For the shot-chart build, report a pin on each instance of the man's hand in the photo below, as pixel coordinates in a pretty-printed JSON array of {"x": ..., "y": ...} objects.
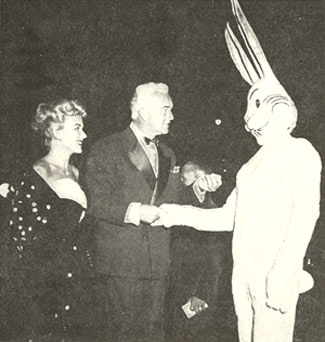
[
  {"x": 209, "y": 183},
  {"x": 149, "y": 213},
  {"x": 166, "y": 217},
  {"x": 172, "y": 215},
  {"x": 198, "y": 305}
]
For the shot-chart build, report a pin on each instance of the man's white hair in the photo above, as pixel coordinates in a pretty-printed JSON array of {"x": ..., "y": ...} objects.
[{"x": 143, "y": 93}]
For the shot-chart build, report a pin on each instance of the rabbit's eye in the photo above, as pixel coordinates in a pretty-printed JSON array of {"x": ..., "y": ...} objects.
[{"x": 257, "y": 103}]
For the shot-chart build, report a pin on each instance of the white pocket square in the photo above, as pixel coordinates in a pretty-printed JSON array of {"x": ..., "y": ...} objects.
[{"x": 176, "y": 169}]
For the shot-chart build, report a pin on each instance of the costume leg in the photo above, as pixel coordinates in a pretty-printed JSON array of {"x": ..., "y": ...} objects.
[
  {"x": 243, "y": 306},
  {"x": 271, "y": 325}
]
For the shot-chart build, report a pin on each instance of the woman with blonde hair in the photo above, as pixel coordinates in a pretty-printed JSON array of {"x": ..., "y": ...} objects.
[{"x": 50, "y": 237}]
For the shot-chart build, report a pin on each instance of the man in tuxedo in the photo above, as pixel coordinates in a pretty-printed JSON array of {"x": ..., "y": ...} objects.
[{"x": 129, "y": 175}]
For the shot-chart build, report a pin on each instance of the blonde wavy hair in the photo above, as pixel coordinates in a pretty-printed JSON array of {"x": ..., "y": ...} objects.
[{"x": 53, "y": 114}]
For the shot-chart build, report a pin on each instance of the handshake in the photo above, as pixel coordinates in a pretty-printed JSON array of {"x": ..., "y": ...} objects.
[
  {"x": 160, "y": 216},
  {"x": 171, "y": 214}
]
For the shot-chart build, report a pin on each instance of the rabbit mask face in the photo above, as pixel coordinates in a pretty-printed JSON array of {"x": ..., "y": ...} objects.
[
  {"x": 270, "y": 110},
  {"x": 269, "y": 116}
]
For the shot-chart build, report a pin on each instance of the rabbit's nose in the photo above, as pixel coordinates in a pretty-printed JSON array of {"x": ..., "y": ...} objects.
[
  {"x": 247, "y": 117},
  {"x": 247, "y": 129},
  {"x": 249, "y": 126},
  {"x": 250, "y": 112}
]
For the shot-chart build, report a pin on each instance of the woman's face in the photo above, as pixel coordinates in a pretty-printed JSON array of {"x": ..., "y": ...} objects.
[{"x": 71, "y": 133}]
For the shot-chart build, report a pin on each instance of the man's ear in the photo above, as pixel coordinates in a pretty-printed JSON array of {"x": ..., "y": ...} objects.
[{"x": 143, "y": 114}]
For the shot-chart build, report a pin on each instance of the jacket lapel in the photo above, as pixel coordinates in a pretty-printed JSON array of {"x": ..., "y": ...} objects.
[
  {"x": 138, "y": 158},
  {"x": 164, "y": 170}
]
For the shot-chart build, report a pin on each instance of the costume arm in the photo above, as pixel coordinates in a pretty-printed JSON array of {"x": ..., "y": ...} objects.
[
  {"x": 220, "y": 219},
  {"x": 285, "y": 276},
  {"x": 305, "y": 211}
]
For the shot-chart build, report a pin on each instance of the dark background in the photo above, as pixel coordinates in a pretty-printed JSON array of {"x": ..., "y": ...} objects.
[{"x": 98, "y": 51}]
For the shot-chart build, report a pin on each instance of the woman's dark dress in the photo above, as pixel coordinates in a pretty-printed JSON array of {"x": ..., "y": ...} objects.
[{"x": 46, "y": 263}]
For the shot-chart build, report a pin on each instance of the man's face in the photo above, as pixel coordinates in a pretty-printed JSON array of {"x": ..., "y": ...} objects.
[{"x": 158, "y": 114}]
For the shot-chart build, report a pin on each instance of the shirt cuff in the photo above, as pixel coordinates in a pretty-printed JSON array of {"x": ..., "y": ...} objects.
[
  {"x": 133, "y": 213},
  {"x": 200, "y": 194}
]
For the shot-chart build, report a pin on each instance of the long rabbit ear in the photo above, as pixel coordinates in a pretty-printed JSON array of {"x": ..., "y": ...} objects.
[
  {"x": 260, "y": 62},
  {"x": 240, "y": 58}
]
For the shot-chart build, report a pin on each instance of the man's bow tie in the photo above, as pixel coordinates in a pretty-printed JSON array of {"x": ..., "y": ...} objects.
[{"x": 148, "y": 141}]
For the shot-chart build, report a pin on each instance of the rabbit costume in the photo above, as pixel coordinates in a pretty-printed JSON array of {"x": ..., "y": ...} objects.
[{"x": 274, "y": 206}]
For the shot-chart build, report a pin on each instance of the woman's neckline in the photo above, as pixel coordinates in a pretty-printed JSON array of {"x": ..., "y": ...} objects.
[
  {"x": 53, "y": 190},
  {"x": 66, "y": 172},
  {"x": 45, "y": 169}
]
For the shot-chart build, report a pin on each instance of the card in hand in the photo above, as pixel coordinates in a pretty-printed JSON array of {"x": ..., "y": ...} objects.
[{"x": 187, "y": 310}]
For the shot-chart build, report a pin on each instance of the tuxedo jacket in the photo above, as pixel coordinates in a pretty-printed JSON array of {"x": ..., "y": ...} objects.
[{"x": 118, "y": 173}]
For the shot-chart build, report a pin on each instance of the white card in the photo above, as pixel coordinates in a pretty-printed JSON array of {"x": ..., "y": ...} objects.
[{"x": 187, "y": 310}]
